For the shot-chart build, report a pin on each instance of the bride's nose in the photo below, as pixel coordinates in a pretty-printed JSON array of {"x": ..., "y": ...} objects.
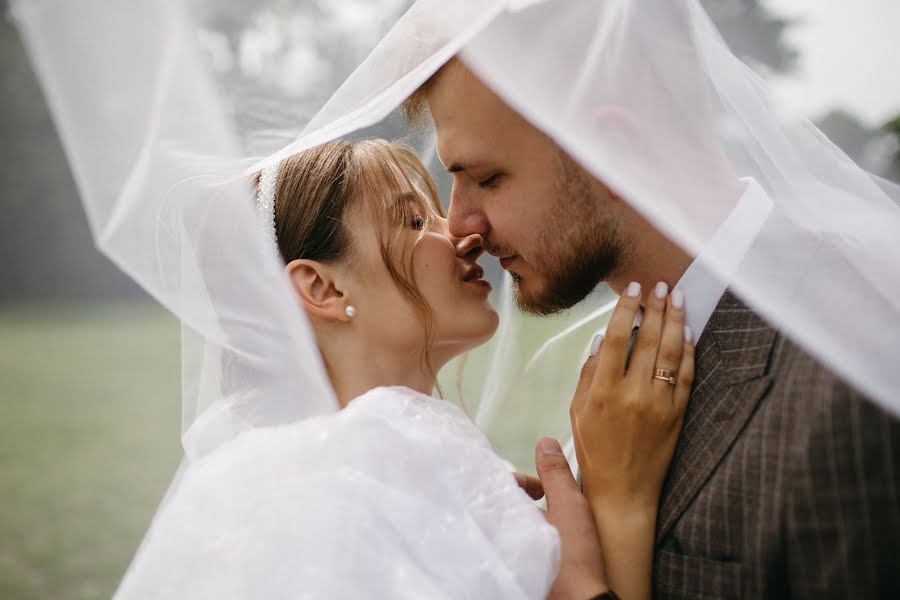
[{"x": 470, "y": 247}]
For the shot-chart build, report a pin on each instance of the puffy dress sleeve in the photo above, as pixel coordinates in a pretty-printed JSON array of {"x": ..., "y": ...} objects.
[{"x": 397, "y": 496}]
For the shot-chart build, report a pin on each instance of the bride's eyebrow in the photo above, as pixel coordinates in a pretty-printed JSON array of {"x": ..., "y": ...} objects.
[
  {"x": 406, "y": 197},
  {"x": 410, "y": 197},
  {"x": 421, "y": 201}
]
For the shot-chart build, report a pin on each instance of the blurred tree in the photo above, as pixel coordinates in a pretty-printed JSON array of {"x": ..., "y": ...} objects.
[
  {"x": 892, "y": 130},
  {"x": 278, "y": 61},
  {"x": 875, "y": 149},
  {"x": 758, "y": 36},
  {"x": 846, "y": 131},
  {"x": 754, "y": 33}
]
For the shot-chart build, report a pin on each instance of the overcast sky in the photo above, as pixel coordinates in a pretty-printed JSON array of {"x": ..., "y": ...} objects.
[{"x": 849, "y": 58}]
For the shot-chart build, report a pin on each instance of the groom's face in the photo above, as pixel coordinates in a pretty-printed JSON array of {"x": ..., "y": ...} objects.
[{"x": 556, "y": 229}]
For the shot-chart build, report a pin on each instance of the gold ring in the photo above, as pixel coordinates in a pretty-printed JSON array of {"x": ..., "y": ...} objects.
[{"x": 664, "y": 375}]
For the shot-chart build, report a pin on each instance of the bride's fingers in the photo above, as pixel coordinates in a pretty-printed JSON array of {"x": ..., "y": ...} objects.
[
  {"x": 584, "y": 385},
  {"x": 643, "y": 355},
  {"x": 668, "y": 356},
  {"x": 614, "y": 350}
]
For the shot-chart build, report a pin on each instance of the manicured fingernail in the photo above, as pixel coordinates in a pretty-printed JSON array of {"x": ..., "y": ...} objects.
[
  {"x": 595, "y": 344},
  {"x": 550, "y": 446},
  {"x": 662, "y": 288},
  {"x": 678, "y": 299},
  {"x": 634, "y": 289},
  {"x": 688, "y": 334}
]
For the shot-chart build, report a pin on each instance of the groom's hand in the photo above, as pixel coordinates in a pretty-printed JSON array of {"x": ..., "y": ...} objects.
[
  {"x": 581, "y": 570},
  {"x": 531, "y": 485}
]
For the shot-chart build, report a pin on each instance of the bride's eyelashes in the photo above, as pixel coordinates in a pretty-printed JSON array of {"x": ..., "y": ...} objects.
[
  {"x": 491, "y": 181},
  {"x": 417, "y": 223}
]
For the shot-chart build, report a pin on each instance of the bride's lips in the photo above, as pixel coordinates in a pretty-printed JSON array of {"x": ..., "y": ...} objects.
[
  {"x": 474, "y": 276},
  {"x": 505, "y": 262}
]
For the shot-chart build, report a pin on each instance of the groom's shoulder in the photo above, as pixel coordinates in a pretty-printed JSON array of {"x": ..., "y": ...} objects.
[
  {"x": 800, "y": 383},
  {"x": 796, "y": 375},
  {"x": 829, "y": 417}
]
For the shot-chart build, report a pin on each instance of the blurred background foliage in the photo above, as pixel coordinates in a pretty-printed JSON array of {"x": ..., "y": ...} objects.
[{"x": 89, "y": 381}]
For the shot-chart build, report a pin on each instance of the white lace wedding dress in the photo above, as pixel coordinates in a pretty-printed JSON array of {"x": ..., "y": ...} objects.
[{"x": 322, "y": 509}]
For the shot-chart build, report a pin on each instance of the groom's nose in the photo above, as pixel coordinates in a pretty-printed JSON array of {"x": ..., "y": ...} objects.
[{"x": 465, "y": 217}]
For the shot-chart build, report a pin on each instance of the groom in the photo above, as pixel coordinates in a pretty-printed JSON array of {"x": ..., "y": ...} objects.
[{"x": 785, "y": 481}]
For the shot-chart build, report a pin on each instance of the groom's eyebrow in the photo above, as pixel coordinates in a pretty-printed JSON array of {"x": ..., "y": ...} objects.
[{"x": 455, "y": 168}]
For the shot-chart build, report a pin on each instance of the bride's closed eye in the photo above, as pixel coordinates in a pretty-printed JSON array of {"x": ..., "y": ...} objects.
[{"x": 417, "y": 222}]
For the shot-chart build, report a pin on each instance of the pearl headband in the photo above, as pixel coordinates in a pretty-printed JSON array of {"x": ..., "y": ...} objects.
[{"x": 265, "y": 201}]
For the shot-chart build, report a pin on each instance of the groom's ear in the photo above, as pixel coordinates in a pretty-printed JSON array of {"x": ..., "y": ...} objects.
[
  {"x": 318, "y": 289},
  {"x": 619, "y": 124}
]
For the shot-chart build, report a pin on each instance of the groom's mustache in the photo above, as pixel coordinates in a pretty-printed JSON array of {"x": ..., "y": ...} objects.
[{"x": 496, "y": 249}]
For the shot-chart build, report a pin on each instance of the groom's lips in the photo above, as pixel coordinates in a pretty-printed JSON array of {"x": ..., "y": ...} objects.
[{"x": 505, "y": 262}]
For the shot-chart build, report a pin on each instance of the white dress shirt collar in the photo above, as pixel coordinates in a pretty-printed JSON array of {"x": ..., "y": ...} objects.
[{"x": 701, "y": 287}]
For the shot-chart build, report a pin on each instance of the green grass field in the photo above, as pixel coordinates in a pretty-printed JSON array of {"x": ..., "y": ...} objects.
[{"x": 89, "y": 439}]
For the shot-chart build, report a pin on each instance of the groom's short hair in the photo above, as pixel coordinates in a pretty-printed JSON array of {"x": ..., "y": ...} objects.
[{"x": 415, "y": 108}]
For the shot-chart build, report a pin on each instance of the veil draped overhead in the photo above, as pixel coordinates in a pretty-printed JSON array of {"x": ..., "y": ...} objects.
[
  {"x": 646, "y": 95},
  {"x": 165, "y": 108}
]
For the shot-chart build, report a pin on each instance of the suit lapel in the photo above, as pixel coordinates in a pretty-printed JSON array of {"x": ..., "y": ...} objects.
[{"x": 733, "y": 357}]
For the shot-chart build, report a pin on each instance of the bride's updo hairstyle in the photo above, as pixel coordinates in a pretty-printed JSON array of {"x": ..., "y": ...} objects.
[{"x": 317, "y": 188}]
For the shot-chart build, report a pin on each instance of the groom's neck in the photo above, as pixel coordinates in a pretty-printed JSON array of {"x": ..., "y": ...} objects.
[
  {"x": 652, "y": 257},
  {"x": 657, "y": 260}
]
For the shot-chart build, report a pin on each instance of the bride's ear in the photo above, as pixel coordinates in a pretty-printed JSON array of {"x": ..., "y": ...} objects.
[{"x": 318, "y": 289}]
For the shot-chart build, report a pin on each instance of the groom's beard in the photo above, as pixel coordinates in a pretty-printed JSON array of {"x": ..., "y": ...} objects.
[
  {"x": 577, "y": 250},
  {"x": 567, "y": 278}
]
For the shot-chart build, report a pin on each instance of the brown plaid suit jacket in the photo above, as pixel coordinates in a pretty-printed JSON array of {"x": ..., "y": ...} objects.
[{"x": 785, "y": 482}]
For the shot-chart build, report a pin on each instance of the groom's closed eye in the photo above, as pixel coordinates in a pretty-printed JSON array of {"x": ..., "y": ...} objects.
[{"x": 491, "y": 181}]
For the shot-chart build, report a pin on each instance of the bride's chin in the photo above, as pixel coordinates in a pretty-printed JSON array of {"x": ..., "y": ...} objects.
[
  {"x": 481, "y": 329},
  {"x": 491, "y": 324}
]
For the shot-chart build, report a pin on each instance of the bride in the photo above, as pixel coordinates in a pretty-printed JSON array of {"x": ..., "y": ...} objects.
[{"x": 398, "y": 495}]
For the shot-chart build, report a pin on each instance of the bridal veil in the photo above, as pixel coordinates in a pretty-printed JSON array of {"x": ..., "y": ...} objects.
[{"x": 644, "y": 94}]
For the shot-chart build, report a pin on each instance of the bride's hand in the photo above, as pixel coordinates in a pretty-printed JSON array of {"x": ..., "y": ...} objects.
[{"x": 626, "y": 423}]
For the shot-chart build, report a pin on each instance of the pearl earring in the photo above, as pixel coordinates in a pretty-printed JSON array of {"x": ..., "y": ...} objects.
[{"x": 350, "y": 311}]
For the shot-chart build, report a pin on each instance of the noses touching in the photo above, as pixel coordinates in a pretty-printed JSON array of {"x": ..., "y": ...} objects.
[{"x": 470, "y": 247}]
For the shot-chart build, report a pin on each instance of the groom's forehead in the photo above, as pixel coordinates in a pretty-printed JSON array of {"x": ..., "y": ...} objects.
[
  {"x": 461, "y": 147},
  {"x": 469, "y": 133},
  {"x": 458, "y": 100}
]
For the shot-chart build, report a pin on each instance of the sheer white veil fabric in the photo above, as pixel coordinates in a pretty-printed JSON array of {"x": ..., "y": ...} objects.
[
  {"x": 647, "y": 96},
  {"x": 644, "y": 94},
  {"x": 157, "y": 165}
]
